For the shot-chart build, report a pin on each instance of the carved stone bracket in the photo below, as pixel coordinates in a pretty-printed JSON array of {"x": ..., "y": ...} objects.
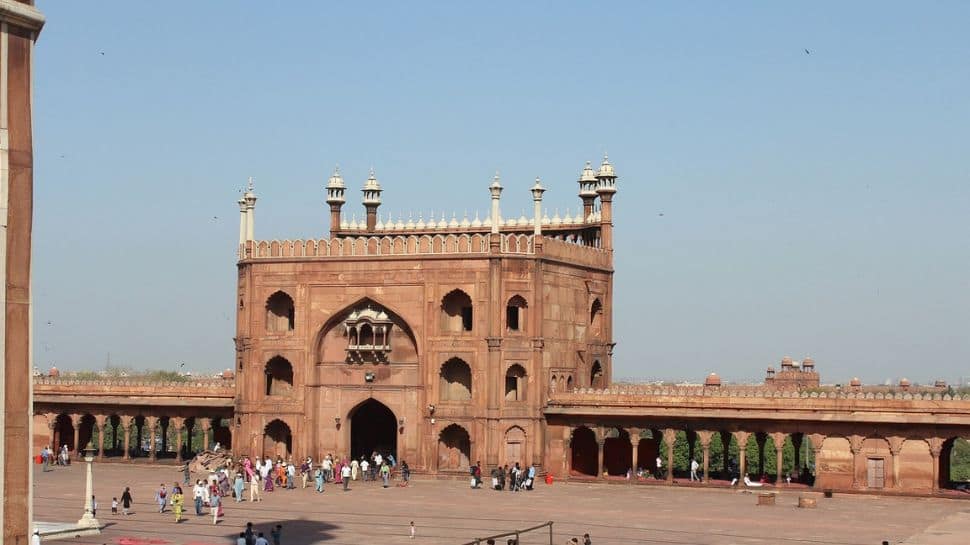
[
  {"x": 494, "y": 343},
  {"x": 538, "y": 343}
]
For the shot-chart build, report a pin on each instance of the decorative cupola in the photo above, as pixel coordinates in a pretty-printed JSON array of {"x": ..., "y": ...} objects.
[
  {"x": 335, "y": 198},
  {"x": 587, "y": 189},
  {"x": 606, "y": 188},
  {"x": 372, "y": 200}
]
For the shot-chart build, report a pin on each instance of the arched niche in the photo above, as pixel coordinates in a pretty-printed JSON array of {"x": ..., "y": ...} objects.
[{"x": 395, "y": 343}]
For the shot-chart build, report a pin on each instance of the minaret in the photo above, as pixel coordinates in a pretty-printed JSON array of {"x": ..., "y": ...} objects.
[
  {"x": 335, "y": 198},
  {"x": 372, "y": 199},
  {"x": 496, "y": 191},
  {"x": 587, "y": 190},
  {"x": 250, "y": 198},
  {"x": 242, "y": 226},
  {"x": 605, "y": 189},
  {"x": 537, "y": 191}
]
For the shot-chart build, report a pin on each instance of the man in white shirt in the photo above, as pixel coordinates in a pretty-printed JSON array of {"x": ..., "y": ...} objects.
[
  {"x": 364, "y": 465},
  {"x": 345, "y": 476},
  {"x": 261, "y": 539},
  {"x": 660, "y": 466},
  {"x": 198, "y": 492},
  {"x": 693, "y": 470},
  {"x": 241, "y": 540},
  {"x": 328, "y": 468}
]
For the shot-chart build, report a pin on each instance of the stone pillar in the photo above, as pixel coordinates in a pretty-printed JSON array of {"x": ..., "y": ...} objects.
[
  {"x": 936, "y": 446},
  {"x": 51, "y": 429},
  {"x": 179, "y": 424},
  {"x": 705, "y": 439},
  {"x": 206, "y": 428},
  {"x": 20, "y": 23},
  {"x": 855, "y": 445},
  {"x": 816, "y": 440},
  {"x": 742, "y": 439},
  {"x": 76, "y": 424},
  {"x": 895, "y": 445},
  {"x": 99, "y": 421},
  {"x": 670, "y": 436},
  {"x": 151, "y": 422},
  {"x": 779, "y": 440},
  {"x": 600, "y": 441},
  {"x": 635, "y": 451},
  {"x": 127, "y": 423},
  {"x": 88, "y": 520}
]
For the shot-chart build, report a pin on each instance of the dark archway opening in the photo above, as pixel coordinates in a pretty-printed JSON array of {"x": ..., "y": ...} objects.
[
  {"x": 373, "y": 428},
  {"x": 277, "y": 440},
  {"x": 454, "y": 448},
  {"x": 585, "y": 452},
  {"x": 596, "y": 376},
  {"x": 617, "y": 452},
  {"x": 63, "y": 432}
]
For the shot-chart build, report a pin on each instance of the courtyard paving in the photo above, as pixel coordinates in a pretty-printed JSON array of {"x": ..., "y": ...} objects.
[{"x": 448, "y": 512}]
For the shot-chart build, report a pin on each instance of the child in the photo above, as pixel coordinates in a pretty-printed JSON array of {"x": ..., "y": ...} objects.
[
  {"x": 275, "y": 533},
  {"x": 412, "y": 530},
  {"x": 114, "y": 506}
]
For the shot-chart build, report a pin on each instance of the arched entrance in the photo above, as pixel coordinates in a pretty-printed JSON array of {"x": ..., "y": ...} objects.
[
  {"x": 454, "y": 448},
  {"x": 373, "y": 427},
  {"x": 584, "y": 450}
]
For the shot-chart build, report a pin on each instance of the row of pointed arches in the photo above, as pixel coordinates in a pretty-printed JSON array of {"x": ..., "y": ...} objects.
[{"x": 455, "y": 381}]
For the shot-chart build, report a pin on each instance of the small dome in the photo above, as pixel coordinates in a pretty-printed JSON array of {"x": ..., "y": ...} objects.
[
  {"x": 476, "y": 222},
  {"x": 556, "y": 220},
  {"x": 510, "y": 222},
  {"x": 465, "y": 224},
  {"x": 588, "y": 175},
  {"x": 54, "y": 372},
  {"x": 372, "y": 184},
  {"x": 454, "y": 221},
  {"x": 442, "y": 223},
  {"x": 712, "y": 380},
  {"x": 808, "y": 363},
  {"x": 228, "y": 374},
  {"x": 380, "y": 224},
  {"x": 855, "y": 382},
  {"x": 786, "y": 362},
  {"x": 904, "y": 383},
  {"x": 606, "y": 169},
  {"x": 545, "y": 218},
  {"x": 487, "y": 222},
  {"x": 400, "y": 223},
  {"x": 939, "y": 384},
  {"x": 771, "y": 369},
  {"x": 343, "y": 223},
  {"x": 522, "y": 219},
  {"x": 336, "y": 181},
  {"x": 420, "y": 224},
  {"x": 567, "y": 219},
  {"x": 410, "y": 223}
]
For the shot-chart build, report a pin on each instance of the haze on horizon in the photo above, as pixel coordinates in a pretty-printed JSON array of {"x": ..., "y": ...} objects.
[{"x": 793, "y": 178}]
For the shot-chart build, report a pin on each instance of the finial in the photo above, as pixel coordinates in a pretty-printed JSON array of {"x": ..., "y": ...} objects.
[{"x": 250, "y": 186}]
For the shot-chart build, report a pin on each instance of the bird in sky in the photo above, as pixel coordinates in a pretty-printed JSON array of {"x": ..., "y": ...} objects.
[
  {"x": 102, "y": 53},
  {"x": 807, "y": 52}
]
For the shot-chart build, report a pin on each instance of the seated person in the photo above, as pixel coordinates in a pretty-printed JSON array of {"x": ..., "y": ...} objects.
[{"x": 751, "y": 484}]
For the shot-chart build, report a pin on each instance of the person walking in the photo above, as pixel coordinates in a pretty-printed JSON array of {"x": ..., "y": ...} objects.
[
  {"x": 254, "y": 488},
  {"x": 215, "y": 505},
  {"x": 161, "y": 497},
  {"x": 411, "y": 531},
  {"x": 319, "y": 478},
  {"x": 177, "y": 501},
  {"x": 45, "y": 454},
  {"x": 186, "y": 473},
  {"x": 126, "y": 501},
  {"x": 345, "y": 477},
  {"x": 276, "y": 534},
  {"x": 660, "y": 467},
  {"x": 237, "y": 487},
  {"x": 290, "y": 476},
  {"x": 693, "y": 470},
  {"x": 198, "y": 493},
  {"x": 385, "y": 473}
]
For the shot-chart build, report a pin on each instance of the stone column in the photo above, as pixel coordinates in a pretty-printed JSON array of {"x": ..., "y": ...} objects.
[
  {"x": 600, "y": 441},
  {"x": 179, "y": 424},
  {"x": 51, "y": 429},
  {"x": 936, "y": 446},
  {"x": 670, "y": 436},
  {"x": 855, "y": 445},
  {"x": 705, "y": 439},
  {"x": 76, "y": 424},
  {"x": 635, "y": 451},
  {"x": 151, "y": 422},
  {"x": 895, "y": 445},
  {"x": 816, "y": 440},
  {"x": 88, "y": 520},
  {"x": 206, "y": 427},
  {"x": 742, "y": 439},
  {"x": 779, "y": 440},
  {"x": 99, "y": 421},
  {"x": 127, "y": 422}
]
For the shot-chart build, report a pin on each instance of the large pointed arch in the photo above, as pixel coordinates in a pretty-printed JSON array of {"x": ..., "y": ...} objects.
[
  {"x": 405, "y": 345},
  {"x": 373, "y": 428}
]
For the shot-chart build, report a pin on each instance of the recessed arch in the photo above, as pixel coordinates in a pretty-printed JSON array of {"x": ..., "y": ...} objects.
[
  {"x": 280, "y": 312},
  {"x": 596, "y": 317},
  {"x": 277, "y": 440},
  {"x": 454, "y": 448},
  {"x": 584, "y": 451},
  {"x": 331, "y": 342},
  {"x": 515, "y": 310},
  {"x": 279, "y": 376},
  {"x": 455, "y": 380},
  {"x": 515, "y": 444},
  {"x": 515, "y": 382},
  {"x": 457, "y": 315},
  {"x": 596, "y": 379},
  {"x": 617, "y": 454}
]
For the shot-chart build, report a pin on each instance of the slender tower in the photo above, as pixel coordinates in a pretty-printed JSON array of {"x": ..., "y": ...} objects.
[
  {"x": 537, "y": 191},
  {"x": 20, "y": 23},
  {"x": 335, "y": 198},
  {"x": 606, "y": 189},
  {"x": 587, "y": 190},
  {"x": 242, "y": 227},
  {"x": 372, "y": 200},
  {"x": 250, "y": 198}
]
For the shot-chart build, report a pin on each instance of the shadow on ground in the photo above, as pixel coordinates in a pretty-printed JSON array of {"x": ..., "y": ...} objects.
[{"x": 294, "y": 532}]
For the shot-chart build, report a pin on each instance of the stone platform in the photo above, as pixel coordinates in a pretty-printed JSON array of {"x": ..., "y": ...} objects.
[{"x": 448, "y": 512}]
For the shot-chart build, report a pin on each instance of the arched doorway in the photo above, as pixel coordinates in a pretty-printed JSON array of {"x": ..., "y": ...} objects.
[
  {"x": 373, "y": 427},
  {"x": 617, "y": 452},
  {"x": 596, "y": 375},
  {"x": 63, "y": 432},
  {"x": 277, "y": 440},
  {"x": 585, "y": 451},
  {"x": 515, "y": 446}
]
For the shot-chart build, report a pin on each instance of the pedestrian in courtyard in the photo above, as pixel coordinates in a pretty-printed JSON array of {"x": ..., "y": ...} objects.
[
  {"x": 249, "y": 534},
  {"x": 385, "y": 473},
  {"x": 186, "y": 473},
  {"x": 215, "y": 505},
  {"x": 276, "y": 534},
  {"x": 126, "y": 501},
  {"x": 198, "y": 494},
  {"x": 319, "y": 478},
  {"x": 660, "y": 466},
  {"x": 177, "y": 501},
  {"x": 411, "y": 531},
  {"x": 237, "y": 487},
  {"x": 693, "y": 470},
  {"x": 261, "y": 539},
  {"x": 162, "y": 498},
  {"x": 364, "y": 469},
  {"x": 114, "y": 506},
  {"x": 587, "y": 540},
  {"x": 405, "y": 471},
  {"x": 241, "y": 540},
  {"x": 45, "y": 454},
  {"x": 345, "y": 476},
  {"x": 305, "y": 472},
  {"x": 254, "y": 485},
  {"x": 290, "y": 476},
  {"x": 35, "y": 539}
]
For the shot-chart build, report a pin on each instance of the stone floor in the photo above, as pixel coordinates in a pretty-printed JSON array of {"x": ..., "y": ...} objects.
[{"x": 448, "y": 512}]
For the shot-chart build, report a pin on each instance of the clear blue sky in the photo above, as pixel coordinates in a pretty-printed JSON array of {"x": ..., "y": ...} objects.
[{"x": 813, "y": 204}]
